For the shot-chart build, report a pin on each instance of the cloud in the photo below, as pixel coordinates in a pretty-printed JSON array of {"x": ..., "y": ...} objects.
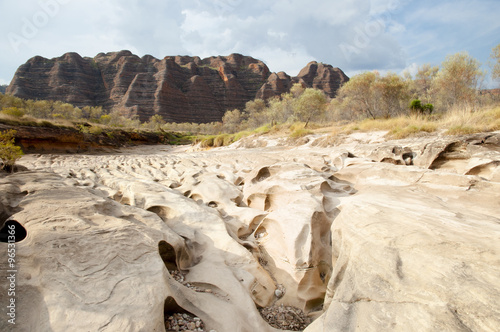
[
  {"x": 286, "y": 34},
  {"x": 312, "y": 30}
]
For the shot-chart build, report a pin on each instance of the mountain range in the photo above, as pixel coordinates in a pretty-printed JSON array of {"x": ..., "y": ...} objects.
[{"x": 179, "y": 88}]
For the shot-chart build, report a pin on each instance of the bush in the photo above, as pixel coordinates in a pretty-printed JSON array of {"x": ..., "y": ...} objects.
[
  {"x": 219, "y": 140},
  {"x": 95, "y": 130},
  {"x": 416, "y": 106},
  {"x": 13, "y": 111},
  {"x": 9, "y": 152},
  {"x": 207, "y": 142}
]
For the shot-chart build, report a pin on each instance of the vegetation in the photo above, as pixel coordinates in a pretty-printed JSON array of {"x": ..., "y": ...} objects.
[
  {"x": 416, "y": 106},
  {"x": 445, "y": 97},
  {"x": 9, "y": 152},
  {"x": 458, "y": 81},
  {"x": 495, "y": 56}
]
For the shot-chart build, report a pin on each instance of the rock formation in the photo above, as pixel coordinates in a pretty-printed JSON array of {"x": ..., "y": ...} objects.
[
  {"x": 3, "y": 88},
  {"x": 368, "y": 235},
  {"x": 179, "y": 88},
  {"x": 315, "y": 75}
]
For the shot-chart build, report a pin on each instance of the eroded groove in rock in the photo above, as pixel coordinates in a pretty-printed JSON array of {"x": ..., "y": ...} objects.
[
  {"x": 168, "y": 255},
  {"x": 328, "y": 231}
]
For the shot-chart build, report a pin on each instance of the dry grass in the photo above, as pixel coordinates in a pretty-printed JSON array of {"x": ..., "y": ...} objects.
[
  {"x": 301, "y": 132},
  {"x": 27, "y": 120},
  {"x": 457, "y": 121},
  {"x": 467, "y": 121}
]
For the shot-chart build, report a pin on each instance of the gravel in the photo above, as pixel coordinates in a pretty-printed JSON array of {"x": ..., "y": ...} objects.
[
  {"x": 184, "y": 322},
  {"x": 280, "y": 317},
  {"x": 178, "y": 276},
  {"x": 285, "y": 317}
]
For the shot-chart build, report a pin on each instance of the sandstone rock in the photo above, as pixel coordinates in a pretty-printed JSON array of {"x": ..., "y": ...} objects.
[
  {"x": 322, "y": 76},
  {"x": 179, "y": 88},
  {"x": 128, "y": 240},
  {"x": 276, "y": 85}
]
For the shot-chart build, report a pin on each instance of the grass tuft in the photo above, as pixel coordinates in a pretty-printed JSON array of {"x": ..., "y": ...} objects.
[{"x": 301, "y": 132}]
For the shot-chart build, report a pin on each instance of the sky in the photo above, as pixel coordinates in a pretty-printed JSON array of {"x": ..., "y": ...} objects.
[{"x": 355, "y": 35}]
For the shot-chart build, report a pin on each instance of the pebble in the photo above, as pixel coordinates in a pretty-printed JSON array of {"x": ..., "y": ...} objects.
[
  {"x": 280, "y": 291},
  {"x": 184, "y": 322},
  {"x": 285, "y": 317},
  {"x": 179, "y": 276}
]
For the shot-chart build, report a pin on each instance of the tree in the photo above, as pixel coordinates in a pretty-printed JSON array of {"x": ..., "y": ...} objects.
[
  {"x": 297, "y": 89},
  {"x": 9, "y": 152},
  {"x": 255, "y": 106},
  {"x": 421, "y": 86},
  {"x": 310, "y": 105},
  {"x": 256, "y": 112},
  {"x": 281, "y": 108},
  {"x": 155, "y": 122},
  {"x": 392, "y": 91},
  {"x": 13, "y": 112},
  {"x": 356, "y": 96},
  {"x": 495, "y": 55},
  {"x": 458, "y": 80},
  {"x": 42, "y": 109},
  {"x": 232, "y": 120}
]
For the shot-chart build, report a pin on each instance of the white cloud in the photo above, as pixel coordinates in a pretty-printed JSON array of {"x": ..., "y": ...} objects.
[
  {"x": 286, "y": 34},
  {"x": 291, "y": 61},
  {"x": 412, "y": 69}
]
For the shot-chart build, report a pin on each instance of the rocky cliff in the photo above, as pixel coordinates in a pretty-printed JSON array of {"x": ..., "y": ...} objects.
[
  {"x": 315, "y": 75},
  {"x": 179, "y": 88},
  {"x": 3, "y": 88}
]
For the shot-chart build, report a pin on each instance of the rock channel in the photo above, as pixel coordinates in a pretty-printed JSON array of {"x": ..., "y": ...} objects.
[{"x": 366, "y": 235}]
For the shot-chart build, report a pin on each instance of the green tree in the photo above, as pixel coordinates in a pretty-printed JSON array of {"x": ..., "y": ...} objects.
[
  {"x": 458, "y": 80},
  {"x": 9, "y": 152},
  {"x": 310, "y": 105}
]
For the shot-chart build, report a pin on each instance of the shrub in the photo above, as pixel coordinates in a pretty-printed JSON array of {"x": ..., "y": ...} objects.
[
  {"x": 207, "y": 142},
  {"x": 219, "y": 140},
  {"x": 416, "y": 105},
  {"x": 13, "y": 111},
  {"x": 9, "y": 152},
  {"x": 429, "y": 108},
  {"x": 95, "y": 130}
]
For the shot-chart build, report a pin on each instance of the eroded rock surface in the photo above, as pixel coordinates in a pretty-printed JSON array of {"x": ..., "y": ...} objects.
[{"x": 395, "y": 235}]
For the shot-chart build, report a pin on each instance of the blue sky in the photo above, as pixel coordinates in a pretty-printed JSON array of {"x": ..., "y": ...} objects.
[{"x": 355, "y": 35}]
